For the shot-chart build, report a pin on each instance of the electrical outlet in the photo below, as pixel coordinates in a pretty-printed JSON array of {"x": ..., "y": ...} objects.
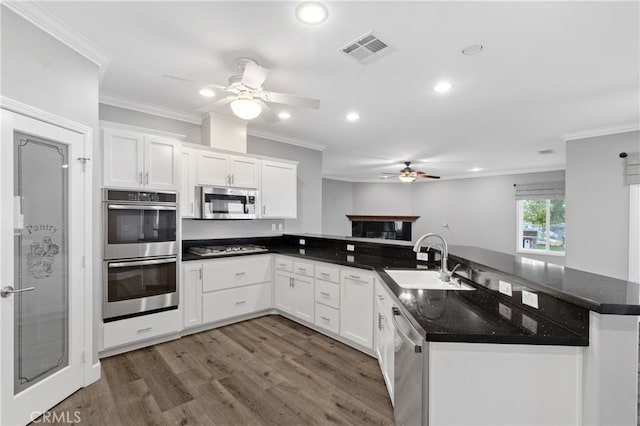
[
  {"x": 529, "y": 299},
  {"x": 302, "y": 251},
  {"x": 302, "y": 242},
  {"x": 273, "y": 226},
  {"x": 280, "y": 227},
  {"x": 351, "y": 259},
  {"x": 422, "y": 256},
  {"x": 504, "y": 310},
  {"x": 505, "y": 288},
  {"x": 350, "y": 247},
  {"x": 530, "y": 324}
]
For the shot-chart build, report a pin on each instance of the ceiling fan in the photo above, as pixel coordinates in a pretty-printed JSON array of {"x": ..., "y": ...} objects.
[
  {"x": 246, "y": 95},
  {"x": 408, "y": 174}
]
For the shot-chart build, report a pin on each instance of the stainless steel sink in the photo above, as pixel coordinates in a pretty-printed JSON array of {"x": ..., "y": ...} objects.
[{"x": 424, "y": 280}]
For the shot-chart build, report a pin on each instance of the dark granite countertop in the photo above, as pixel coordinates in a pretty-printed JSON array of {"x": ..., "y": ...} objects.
[{"x": 477, "y": 316}]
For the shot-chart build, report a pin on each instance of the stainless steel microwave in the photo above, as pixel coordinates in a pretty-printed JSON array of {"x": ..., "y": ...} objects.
[{"x": 228, "y": 203}]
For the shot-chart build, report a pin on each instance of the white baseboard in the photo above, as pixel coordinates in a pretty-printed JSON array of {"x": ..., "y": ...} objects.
[{"x": 94, "y": 373}]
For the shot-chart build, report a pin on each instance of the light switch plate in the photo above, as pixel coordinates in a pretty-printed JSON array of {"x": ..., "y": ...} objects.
[
  {"x": 530, "y": 324},
  {"x": 422, "y": 256},
  {"x": 350, "y": 247},
  {"x": 302, "y": 242},
  {"x": 505, "y": 288},
  {"x": 280, "y": 227},
  {"x": 529, "y": 299},
  {"x": 302, "y": 251},
  {"x": 351, "y": 259},
  {"x": 273, "y": 226}
]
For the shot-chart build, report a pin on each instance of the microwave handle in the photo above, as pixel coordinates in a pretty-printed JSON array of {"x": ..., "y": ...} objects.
[
  {"x": 142, "y": 263},
  {"x": 138, "y": 207}
]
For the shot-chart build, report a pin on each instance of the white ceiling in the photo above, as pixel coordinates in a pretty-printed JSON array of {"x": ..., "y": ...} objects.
[{"x": 548, "y": 70}]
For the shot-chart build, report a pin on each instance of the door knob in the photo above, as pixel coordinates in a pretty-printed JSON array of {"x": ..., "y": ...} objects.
[{"x": 6, "y": 291}]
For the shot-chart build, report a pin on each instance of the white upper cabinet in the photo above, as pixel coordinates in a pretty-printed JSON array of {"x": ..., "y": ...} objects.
[
  {"x": 188, "y": 178},
  {"x": 161, "y": 163},
  {"x": 218, "y": 169},
  {"x": 123, "y": 159},
  {"x": 136, "y": 160},
  {"x": 279, "y": 186},
  {"x": 244, "y": 172},
  {"x": 213, "y": 169}
]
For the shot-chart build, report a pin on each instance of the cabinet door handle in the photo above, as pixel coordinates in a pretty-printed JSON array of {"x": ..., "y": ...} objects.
[
  {"x": 239, "y": 274},
  {"x": 200, "y": 273},
  {"x": 147, "y": 178},
  {"x": 140, "y": 178},
  {"x": 326, "y": 319},
  {"x": 380, "y": 317},
  {"x": 233, "y": 179},
  {"x": 264, "y": 209},
  {"x": 241, "y": 302},
  {"x": 192, "y": 207},
  {"x": 144, "y": 330},
  {"x": 324, "y": 293},
  {"x": 355, "y": 277}
]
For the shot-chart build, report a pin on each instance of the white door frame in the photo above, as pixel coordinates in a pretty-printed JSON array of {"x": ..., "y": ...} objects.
[
  {"x": 634, "y": 233},
  {"x": 91, "y": 371}
]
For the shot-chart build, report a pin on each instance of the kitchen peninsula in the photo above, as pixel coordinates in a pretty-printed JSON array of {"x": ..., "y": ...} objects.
[{"x": 487, "y": 348}]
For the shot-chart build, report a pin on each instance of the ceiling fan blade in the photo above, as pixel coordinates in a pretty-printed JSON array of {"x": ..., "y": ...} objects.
[
  {"x": 254, "y": 75},
  {"x": 267, "y": 113},
  {"x": 216, "y": 104},
  {"x": 426, "y": 176},
  {"x": 284, "y": 99},
  {"x": 200, "y": 83}
]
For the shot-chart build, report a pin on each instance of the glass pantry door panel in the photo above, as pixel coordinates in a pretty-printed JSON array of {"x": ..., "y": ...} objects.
[{"x": 41, "y": 260}]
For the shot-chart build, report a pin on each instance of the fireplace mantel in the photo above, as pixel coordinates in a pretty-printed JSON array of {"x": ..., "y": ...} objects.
[{"x": 370, "y": 218}]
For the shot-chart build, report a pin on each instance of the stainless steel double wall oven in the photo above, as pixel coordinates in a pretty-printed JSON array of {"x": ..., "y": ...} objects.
[{"x": 140, "y": 271}]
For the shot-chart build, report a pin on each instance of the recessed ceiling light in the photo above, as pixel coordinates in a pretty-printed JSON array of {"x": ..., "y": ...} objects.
[
  {"x": 207, "y": 93},
  {"x": 312, "y": 12},
  {"x": 472, "y": 50},
  {"x": 284, "y": 115},
  {"x": 442, "y": 87},
  {"x": 353, "y": 116},
  {"x": 476, "y": 169}
]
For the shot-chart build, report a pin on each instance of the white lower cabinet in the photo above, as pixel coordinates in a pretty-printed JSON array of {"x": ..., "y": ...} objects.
[
  {"x": 294, "y": 292},
  {"x": 384, "y": 343},
  {"x": 356, "y": 306},
  {"x": 229, "y": 303},
  {"x": 192, "y": 293},
  {"x": 136, "y": 329}
]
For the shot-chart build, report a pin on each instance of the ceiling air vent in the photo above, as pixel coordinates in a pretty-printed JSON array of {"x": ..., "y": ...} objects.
[{"x": 367, "y": 48}]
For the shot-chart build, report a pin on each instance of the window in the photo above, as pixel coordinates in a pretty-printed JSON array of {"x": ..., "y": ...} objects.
[{"x": 541, "y": 218}]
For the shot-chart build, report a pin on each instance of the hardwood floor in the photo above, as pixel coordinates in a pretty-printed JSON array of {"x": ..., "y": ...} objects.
[{"x": 267, "y": 371}]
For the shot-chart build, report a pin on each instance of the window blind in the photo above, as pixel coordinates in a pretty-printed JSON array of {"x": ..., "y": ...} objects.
[
  {"x": 632, "y": 169},
  {"x": 540, "y": 191}
]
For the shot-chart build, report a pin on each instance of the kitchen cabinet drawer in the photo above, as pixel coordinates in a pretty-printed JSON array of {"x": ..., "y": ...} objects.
[
  {"x": 284, "y": 264},
  {"x": 357, "y": 275},
  {"x": 328, "y": 274},
  {"x": 328, "y": 294},
  {"x": 236, "y": 272},
  {"x": 223, "y": 304},
  {"x": 130, "y": 330},
  {"x": 328, "y": 318},
  {"x": 303, "y": 268}
]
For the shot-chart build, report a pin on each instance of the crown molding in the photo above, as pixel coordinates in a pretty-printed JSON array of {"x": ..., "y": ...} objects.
[
  {"x": 148, "y": 108},
  {"x": 18, "y": 107},
  {"x": 601, "y": 132},
  {"x": 259, "y": 133},
  {"x": 50, "y": 24},
  {"x": 139, "y": 129}
]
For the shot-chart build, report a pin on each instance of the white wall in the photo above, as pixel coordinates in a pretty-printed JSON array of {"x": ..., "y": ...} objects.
[
  {"x": 480, "y": 211},
  {"x": 135, "y": 118},
  {"x": 337, "y": 202},
  {"x": 382, "y": 198},
  {"x": 598, "y": 204},
  {"x": 309, "y": 181},
  {"x": 40, "y": 71}
]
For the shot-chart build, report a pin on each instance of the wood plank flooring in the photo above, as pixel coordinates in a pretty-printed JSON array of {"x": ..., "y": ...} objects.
[{"x": 266, "y": 371}]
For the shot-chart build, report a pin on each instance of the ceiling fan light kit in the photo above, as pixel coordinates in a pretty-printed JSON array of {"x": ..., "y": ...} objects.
[
  {"x": 407, "y": 178},
  {"x": 245, "y": 107}
]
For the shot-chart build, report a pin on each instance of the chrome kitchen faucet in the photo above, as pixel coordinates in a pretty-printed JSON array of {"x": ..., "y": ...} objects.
[{"x": 445, "y": 274}]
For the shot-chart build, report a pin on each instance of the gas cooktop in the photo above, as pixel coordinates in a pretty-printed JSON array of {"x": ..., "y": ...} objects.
[{"x": 226, "y": 250}]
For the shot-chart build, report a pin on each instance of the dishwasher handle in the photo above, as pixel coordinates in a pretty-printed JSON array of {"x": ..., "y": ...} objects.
[{"x": 416, "y": 347}]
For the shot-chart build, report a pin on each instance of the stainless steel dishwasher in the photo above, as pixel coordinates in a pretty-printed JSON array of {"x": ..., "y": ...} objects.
[{"x": 410, "y": 384}]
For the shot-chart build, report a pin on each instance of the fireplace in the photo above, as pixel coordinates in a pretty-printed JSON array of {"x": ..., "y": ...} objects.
[{"x": 386, "y": 227}]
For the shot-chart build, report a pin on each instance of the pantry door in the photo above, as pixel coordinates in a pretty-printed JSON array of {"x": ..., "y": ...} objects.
[{"x": 42, "y": 194}]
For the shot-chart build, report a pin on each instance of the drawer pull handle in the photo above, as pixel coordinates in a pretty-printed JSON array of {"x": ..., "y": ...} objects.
[
  {"x": 355, "y": 277},
  {"x": 324, "y": 274},
  {"x": 240, "y": 273},
  {"x": 381, "y": 297},
  {"x": 241, "y": 302},
  {"x": 302, "y": 269},
  {"x": 326, "y": 319},
  {"x": 144, "y": 330},
  {"x": 282, "y": 265},
  {"x": 324, "y": 293}
]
